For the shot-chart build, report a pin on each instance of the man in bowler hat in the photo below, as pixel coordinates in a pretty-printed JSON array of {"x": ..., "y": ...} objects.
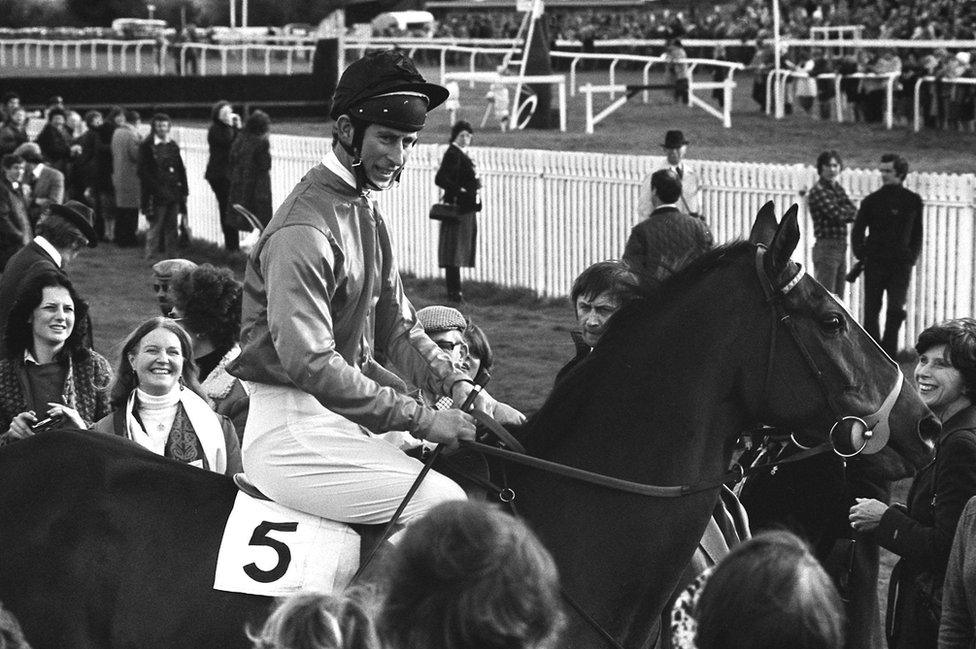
[{"x": 675, "y": 147}]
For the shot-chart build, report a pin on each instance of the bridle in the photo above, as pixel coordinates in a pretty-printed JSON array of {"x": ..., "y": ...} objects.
[
  {"x": 868, "y": 433},
  {"x": 872, "y": 429}
]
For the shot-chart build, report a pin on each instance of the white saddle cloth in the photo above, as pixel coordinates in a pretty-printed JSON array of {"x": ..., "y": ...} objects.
[{"x": 269, "y": 549}]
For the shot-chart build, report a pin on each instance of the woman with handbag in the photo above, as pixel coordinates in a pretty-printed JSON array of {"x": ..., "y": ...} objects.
[
  {"x": 457, "y": 177},
  {"x": 921, "y": 533}
]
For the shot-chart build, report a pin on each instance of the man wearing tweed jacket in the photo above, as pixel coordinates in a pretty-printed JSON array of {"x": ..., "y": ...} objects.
[{"x": 667, "y": 240}]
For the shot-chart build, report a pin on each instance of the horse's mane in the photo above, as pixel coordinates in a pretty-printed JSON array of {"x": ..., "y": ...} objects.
[
  {"x": 656, "y": 300},
  {"x": 558, "y": 411}
]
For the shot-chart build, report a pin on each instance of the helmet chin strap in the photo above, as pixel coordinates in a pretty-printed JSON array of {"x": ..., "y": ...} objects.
[{"x": 363, "y": 183}]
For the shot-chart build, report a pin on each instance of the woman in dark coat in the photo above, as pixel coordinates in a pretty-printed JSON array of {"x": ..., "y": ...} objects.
[
  {"x": 224, "y": 124},
  {"x": 250, "y": 167},
  {"x": 457, "y": 177},
  {"x": 921, "y": 533}
]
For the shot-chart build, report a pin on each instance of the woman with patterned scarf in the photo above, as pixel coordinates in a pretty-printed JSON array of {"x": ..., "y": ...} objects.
[
  {"x": 50, "y": 377},
  {"x": 160, "y": 405}
]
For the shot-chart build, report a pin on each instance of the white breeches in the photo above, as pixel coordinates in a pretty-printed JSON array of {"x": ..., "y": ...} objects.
[{"x": 307, "y": 457}]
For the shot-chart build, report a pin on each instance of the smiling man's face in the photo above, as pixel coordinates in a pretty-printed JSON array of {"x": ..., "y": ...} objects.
[{"x": 384, "y": 151}]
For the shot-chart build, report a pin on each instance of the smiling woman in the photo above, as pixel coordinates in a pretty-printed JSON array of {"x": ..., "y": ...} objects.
[
  {"x": 160, "y": 405},
  {"x": 921, "y": 533},
  {"x": 49, "y": 377}
]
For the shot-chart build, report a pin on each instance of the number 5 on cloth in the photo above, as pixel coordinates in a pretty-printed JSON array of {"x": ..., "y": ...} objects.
[{"x": 269, "y": 549}]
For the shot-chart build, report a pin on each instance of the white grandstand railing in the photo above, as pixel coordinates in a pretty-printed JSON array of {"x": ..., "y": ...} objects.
[
  {"x": 68, "y": 54},
  {"x": 889, "y": 79},
  {"x": 549, "y": 214},
  {"x": 916, "y": 107}
]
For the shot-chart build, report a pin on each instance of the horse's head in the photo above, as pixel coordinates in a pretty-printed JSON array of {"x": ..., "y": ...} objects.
[{"x": 822, "y": 374}]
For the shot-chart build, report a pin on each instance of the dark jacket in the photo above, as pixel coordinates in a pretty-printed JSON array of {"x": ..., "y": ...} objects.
[
  {"x": 55, "y": 144},
  {"x": 220, "y": 136},
  {"x": 582, "y": 351},
  {"x": 664, "y": 243},
  {"x": 250, "y": 174},
  {"x": 457, "y": 177},
  {"x": 14, "y": 224},
  {"x": 921, "y": 533},
  {"x": 102, "y": 173},
  {"x": 162, "y": 174},
  {"x": 11, "y": 137},
  {"x": 892, "y": 217},
  {"x": 84, "y": 169}
]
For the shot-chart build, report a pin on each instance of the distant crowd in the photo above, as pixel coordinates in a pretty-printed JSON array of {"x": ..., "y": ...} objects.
[{"x": 745, "y": 19}]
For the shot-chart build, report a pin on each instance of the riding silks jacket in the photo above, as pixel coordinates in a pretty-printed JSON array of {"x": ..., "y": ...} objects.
[{"x": 321, "y": 292}]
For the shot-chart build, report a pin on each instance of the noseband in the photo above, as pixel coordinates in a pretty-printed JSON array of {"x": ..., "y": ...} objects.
[{"x": 874, "y": 429}]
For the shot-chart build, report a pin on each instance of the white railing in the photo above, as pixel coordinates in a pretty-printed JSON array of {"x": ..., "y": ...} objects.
[
  {"x": 549, "y": 214},
  {"x": 781, "y": 75},
  {"x": 916, "y": 99}
]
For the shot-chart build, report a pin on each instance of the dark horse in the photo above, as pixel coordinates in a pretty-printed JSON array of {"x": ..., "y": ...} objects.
[{"x": 105, "y": 545}]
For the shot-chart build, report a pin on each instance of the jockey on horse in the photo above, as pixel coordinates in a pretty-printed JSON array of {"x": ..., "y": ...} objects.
[{"x": 321, "y": 293}]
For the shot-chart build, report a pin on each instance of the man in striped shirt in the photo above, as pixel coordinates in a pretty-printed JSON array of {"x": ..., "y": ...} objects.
[{"x": 831, "y": 210}]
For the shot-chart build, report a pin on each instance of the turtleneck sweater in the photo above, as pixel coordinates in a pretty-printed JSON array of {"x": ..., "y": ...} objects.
[{"x": 157, "y": 415}]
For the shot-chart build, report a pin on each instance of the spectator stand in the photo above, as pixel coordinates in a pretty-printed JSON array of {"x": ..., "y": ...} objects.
[{"x": 727, "y": 85}]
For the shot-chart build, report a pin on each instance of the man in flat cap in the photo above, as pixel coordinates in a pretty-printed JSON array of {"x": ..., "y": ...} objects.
[
  {"x": 164, "y": 273},
  {"x": 322, "y": 296},
  {"x": 60, "y": 236}
]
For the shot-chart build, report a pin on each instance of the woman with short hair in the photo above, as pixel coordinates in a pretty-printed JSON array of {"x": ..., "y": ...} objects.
[
  {"x": 159, "y": 403},
  {"x": 207, "y": 302},
  {"x": 50, "y": 373},
  {"x": 921, "y": 531}
]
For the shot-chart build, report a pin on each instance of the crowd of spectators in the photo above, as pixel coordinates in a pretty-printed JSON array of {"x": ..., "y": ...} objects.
[{"x": 741, "y": 19}]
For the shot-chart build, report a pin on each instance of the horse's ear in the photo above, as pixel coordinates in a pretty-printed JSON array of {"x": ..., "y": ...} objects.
[
  {"x": 764, "y": 228},
  {"x": 784, "y": 242}
]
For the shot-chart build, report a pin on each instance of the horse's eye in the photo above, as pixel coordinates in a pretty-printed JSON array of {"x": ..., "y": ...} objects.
[{"x": 832, "y": 322}]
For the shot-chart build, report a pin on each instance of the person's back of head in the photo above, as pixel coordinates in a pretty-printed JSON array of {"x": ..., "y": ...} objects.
[
  {"x": 258, "y": 123},
  {"x": 770, "y": 593},
  {"x": 467, "y": 576},
  {"x": 316, "y": 621},
  {"x": 132, "y": 116},
  {"x": 666, "y": 186}
]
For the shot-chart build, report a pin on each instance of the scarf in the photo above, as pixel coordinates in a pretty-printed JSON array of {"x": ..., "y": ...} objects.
[{"x": 195, "y": 436}]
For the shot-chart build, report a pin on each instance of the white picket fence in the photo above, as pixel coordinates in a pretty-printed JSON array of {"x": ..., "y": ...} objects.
[{"x": 549, "y": 214}]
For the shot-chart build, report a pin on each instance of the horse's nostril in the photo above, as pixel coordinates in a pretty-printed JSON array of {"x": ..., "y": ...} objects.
[{"x": 929, "y": 428}]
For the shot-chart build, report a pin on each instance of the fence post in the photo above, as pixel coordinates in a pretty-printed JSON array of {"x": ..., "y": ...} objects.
[{"x": 540, "y": 279}]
